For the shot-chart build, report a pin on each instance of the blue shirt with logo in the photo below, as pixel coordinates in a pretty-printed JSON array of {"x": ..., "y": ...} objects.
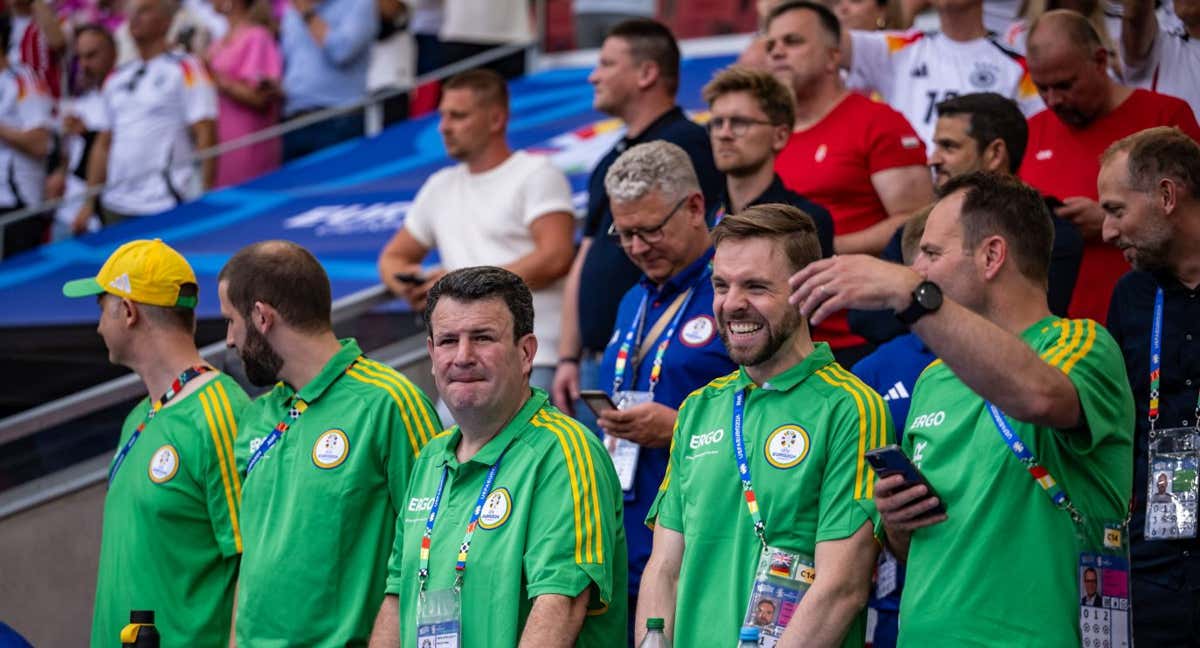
[{"x": 695, "y": 356}]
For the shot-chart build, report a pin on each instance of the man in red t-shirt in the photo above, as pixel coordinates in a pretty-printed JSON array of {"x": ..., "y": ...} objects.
[
  {"x": 860, "y": 159},
  {"x": 1086, "y": 111}
]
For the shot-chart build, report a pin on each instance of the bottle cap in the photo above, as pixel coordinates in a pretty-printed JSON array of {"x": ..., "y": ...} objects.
[
  {"x": 748, "y": 633},
  {"x": 141, "y": 616},
  {"x": 654, "y": 623}
]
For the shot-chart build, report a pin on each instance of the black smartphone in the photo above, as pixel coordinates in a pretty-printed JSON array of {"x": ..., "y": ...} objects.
[
  {"x": 409, "y": 277},
  {"x": 597, "y": 401},
  {"x": 891, "y": 460}
]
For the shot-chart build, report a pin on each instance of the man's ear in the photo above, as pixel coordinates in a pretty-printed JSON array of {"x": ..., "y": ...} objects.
[
  {"x": 528, "y": 346},
  {"x": 263, "y": 317},
  {"x": 130, "y": 313},
  {"x": 995, "y": 156},
  {"x": 647, "y": 74},
  {"x": 995, "y": 253}
]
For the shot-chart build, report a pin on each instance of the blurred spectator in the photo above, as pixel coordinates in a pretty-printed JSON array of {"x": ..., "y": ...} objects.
[
  {"x": 392, "y": 60},
  {"x": 159, "y": 110},
  {"x": 1086, "y": 111},
  {"x": 594, "y": 18},
  {"x": 106, "y": 13},
  {"x": 83, "y": 117},
  {"x": 755, "y": 55},
  {"x": 246, "y": 68},
  {"x": 1106, "y": 24},
  {"x": 188, "y": 31},
  {"x": 635, "y": 80},
  {"x": 859, "y": 159},
  {"x": 327, "y": 47},
  {"x": 752, "y": 117},
  {"x": 867, "y": 15},
  {"x": 24, "y": 143},
  {"x": 495, "y": 207},
  {"x": 471, "y": 27},
  {"x": 38, "y": 41},
  {"x": 914, "y": 70},
  {"x": 1160, "y": 59},
  {"x": 425, "y": 25}
]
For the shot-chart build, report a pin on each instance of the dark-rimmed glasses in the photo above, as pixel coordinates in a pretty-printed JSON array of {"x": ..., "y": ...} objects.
[{"x": 649, "y": 235}]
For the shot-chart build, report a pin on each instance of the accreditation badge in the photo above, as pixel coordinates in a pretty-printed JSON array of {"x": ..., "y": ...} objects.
[
  {"x": 624, "y": 452},
  {"x": 1105, "y": 613},
  {"x": 780, "y": 582},
  {"x": 439, "y": 619},
  {"x": 1171, "y": 496}
]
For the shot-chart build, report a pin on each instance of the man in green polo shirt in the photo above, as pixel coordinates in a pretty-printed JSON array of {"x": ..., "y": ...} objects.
[
  {"x": 806, "y": 422},
  {"x": 512, "y": 525},
  {"x": 327, "y": 456},
  {"x": 171, "y": 536},
  {"x": 1002, "y": 566}
]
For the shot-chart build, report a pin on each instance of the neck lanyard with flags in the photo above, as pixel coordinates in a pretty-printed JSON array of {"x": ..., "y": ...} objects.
[
  {"x": 173, "y": 391},
  {"x": 633, "y": 338}
]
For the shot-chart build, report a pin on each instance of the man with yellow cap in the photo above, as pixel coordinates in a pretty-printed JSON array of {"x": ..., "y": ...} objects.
[{"x": 171, "y": 540}]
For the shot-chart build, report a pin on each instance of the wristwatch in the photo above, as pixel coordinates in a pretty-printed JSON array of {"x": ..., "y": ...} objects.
[{"x": 926, "y": 298}]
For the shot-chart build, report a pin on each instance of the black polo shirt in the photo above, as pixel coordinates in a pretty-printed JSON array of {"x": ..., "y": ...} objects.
[
  {"x": 777, "y": 193},
  {"x": 607, "y": 272},
  {"x": 1130, "y": 317}
]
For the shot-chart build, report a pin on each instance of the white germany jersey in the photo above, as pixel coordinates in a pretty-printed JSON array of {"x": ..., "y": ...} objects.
[
  {"x": 24, "y": 105},
  {"x": 151, "y": 106},
  {"x": 1172, "y": 68},
  {"x": 914, "y": 70}
]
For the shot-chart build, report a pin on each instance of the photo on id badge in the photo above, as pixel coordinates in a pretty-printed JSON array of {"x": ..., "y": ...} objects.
[{"x": 1172, "y": 498}]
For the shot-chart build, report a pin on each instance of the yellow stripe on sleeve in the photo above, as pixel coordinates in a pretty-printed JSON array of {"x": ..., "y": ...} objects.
[
  {"x": 538, "y": 420},
  {"x": 1067, "y": 342},
  {"x": 423, "y": 432},
  {"x": 411, "y": 396},
  {"x": 581, "y": 434},
  {"x": 408, "y": 428},
  {"x": 877, "y": 423},
  {"x": 1088, "y": 341},
  {"x": 584, "y": 490},
  {"x": 223, "y": 412},
  {"x": 205, "y": 401},
  {"x": 859, "y": 486}
]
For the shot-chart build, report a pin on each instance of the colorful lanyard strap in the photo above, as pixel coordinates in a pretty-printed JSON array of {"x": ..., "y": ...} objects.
[
  {"x": 172, "y": 392},
  {"x": 1039, "y": 473},
  {"x": 1156, "y": 362},
  {"x": 460, "y": 566},
  {"x": 743, "y": 464},
  {"x": 621, "y": 366}
]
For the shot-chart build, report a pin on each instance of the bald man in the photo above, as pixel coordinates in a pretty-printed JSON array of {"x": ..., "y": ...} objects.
[{"x": 1086, "y": 111}]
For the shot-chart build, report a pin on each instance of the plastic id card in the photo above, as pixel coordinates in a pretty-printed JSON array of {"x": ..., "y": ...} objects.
[
  {"x": 439, "y": 619},
  {"x": 780, "y": 582},
  {"x": 624, "y": 452},
  {"x": 1104, "y": 612},
  {"x": 1171, "y": 497}
]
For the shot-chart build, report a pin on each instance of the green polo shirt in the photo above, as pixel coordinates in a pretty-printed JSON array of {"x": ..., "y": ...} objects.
[
  {"x": 1006, "y": 556},
  {"x": 551, "y": 524},
  {"x": 319, "y": 509},
  {"x": 172, "y": 534},
  {"x": 805, "y": 432}
]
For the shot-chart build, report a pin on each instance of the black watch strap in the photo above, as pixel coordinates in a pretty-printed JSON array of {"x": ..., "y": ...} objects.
[{"x": 926, "y": 298}]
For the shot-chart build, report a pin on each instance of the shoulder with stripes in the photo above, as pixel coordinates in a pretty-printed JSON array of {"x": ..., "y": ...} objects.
[
  {"x": 897, "y": 41},
  {"x": 1004, "y": 49},
  {"x": 1071, "y": 340},
  {"x": 221, "y": 423},
  {"x": 578, "y": 451},
  {"x": 835, "y": 381},
  {"x": 870, "y": 427},
  {"x": 716, "y": 386},
  {"x": 380, "y": 386}
]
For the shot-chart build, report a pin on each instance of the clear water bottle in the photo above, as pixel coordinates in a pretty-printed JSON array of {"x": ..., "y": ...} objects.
[
  {"x": 748, "y": 637},
  {"x": 655, "y": 638},
  {"x": 140, "y": 633}
]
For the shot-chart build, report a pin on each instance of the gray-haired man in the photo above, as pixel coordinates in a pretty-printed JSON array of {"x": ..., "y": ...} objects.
[{"x": 664, "y": 344}]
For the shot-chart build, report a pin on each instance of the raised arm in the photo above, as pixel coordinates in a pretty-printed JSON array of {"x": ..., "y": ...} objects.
[{"x": 838, "y": 593}]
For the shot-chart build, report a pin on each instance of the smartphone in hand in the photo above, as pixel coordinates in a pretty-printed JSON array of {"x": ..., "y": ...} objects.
[
  {"x": 891, "y": 460},
  {"x": 597, "y": 401}
]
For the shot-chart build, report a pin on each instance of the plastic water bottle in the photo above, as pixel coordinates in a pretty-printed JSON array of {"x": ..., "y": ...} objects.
[
  {"x": 140, "y": 633},
  {"x": 655, "y": 638},
  {"x": 748, "y": 637}
]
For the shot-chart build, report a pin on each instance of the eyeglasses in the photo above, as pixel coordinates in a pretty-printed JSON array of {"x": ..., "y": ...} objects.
[
  {"x": 737, "y": 125},
  {"x": 649, "y": 235}
]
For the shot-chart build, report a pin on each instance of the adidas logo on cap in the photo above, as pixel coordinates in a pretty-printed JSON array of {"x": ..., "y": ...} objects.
[{"x": 121, "y": 283}]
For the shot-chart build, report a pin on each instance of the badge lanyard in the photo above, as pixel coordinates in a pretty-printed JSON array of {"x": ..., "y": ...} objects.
[
  {"x": 639, "y": 321},
  {"x": 460, "y": 566},
  {"x": 743, "y": 463},
  {"x": 296, "y": 407},
  {"x": 1039, "y": 473},
  {"x": 1156, "y": 362},
  {"x": 176, "y": 387}
]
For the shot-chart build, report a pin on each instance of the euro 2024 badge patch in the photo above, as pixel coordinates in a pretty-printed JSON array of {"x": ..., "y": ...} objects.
[
  {"x": 164, "y": 464},
  {"x": 496, "y": 509},
  {"x": 698, "y": 331},
  {"x": 786, "y": 446},
  {"x": 331, "y": 449}
]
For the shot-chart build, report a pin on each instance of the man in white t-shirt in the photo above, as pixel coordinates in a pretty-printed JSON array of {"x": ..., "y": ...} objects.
[
  {"x": 914, "y": 70},
  {"x": 159, "y": 110},
  {"x": 1159, "y": 57},
  {"x": 82, "y": 116},
  {"x": 24, "y": 143},
  {"x": 496, "y": 207}
]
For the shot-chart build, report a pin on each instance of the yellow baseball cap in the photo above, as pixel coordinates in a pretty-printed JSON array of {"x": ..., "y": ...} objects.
[{"x": 147, "y": 272}]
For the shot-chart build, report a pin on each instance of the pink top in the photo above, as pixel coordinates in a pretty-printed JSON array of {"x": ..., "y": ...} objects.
[{"x": 250, "y": 55}]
